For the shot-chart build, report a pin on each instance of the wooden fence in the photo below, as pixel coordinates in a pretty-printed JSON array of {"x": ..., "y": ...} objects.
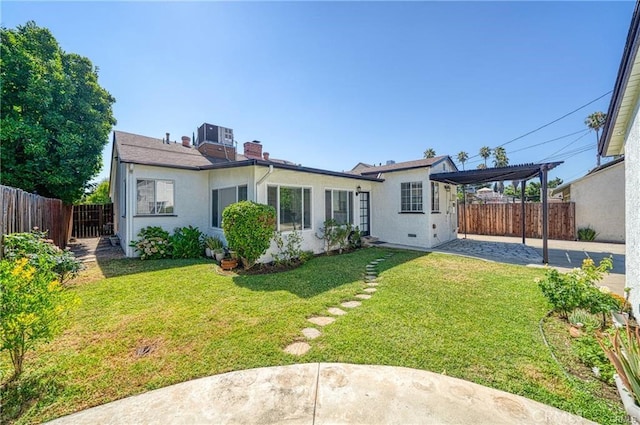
[
  {"x": 505, "y": 220},
  {"x": 22, "y": 211},
  {"x": 93, "y": 220}
]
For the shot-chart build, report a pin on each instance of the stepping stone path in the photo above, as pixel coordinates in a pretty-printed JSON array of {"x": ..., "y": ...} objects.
[
  {"x": 311, "y": 333},
  {"x": 321, "y": 320},
  {"x": 297, "y": 348},
  {"x": 371, "y": 274}
]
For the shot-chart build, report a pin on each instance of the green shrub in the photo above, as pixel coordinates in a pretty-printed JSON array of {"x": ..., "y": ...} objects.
[
  {"x": 213, "y": 243},
  {"x": 577, "y": 288},
  {"x": 32, "y": 306},
  {"x": 589, "y": 352},
  {"x": 623, "y": 350},
  {"x": 248, "y": 228},
  {"x": 42, "y": 253},
  {"x": 586, "y": 234},
  {"x": 153, "y": 243},
  {"x": 582, "y": 317},
  {"x": 186, "y": 242},
  {"x": 289, "y": 248},
  {"x": 335, "y": 235}
]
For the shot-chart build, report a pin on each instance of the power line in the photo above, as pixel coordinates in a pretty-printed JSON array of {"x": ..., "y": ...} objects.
[
  {"x": 552, "y": 122},
  {"x": 564, "y": 147},
  {"x": 551, "y": 140}
]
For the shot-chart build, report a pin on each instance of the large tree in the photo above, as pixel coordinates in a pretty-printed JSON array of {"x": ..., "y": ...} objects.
[
  {"x": 430, "y": 153},
  {"x": 55, "y": 118},
  {"x": 485, "y": 153},
  {"x": 462, "y": 158},
  {"x": 595, "y": 122}
]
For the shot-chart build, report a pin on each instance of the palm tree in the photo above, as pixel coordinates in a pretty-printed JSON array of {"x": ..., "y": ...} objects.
[
  {"x": 500, "y": 158},
  {"x": 462, "y": 158},
  {"x": 485, "y": 153},
  {"x": 430, "y": 153},
  {"x": 595, "y": 122}
]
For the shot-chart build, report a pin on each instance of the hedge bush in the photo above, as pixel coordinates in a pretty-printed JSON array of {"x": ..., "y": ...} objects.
[{"x": 249, "y": 228}]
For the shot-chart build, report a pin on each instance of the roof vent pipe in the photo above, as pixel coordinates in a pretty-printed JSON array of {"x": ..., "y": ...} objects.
[{"x": 167, "y": 139}]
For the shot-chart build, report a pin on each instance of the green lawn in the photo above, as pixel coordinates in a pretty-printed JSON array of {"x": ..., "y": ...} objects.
[{"x": 467, "y": 318}]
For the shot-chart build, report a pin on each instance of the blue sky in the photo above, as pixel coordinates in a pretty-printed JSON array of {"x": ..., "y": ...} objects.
[{"x": 330, "y": 84}]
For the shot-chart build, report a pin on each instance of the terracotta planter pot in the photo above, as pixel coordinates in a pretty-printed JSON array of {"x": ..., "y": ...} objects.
[
  {"x": 229, "y": 263},
  {"x": 633, "y": 410}
]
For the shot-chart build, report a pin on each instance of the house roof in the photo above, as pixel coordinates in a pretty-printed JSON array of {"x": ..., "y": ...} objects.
[
  {"x": 133, "y": 148},
  {"x": 365, "y": 169},
  {"x": 486, "y": 175},
  {"x": 625, "y": 93},
  {"x": 137, "y": 149},
  {"x": 566, "y": 186}
]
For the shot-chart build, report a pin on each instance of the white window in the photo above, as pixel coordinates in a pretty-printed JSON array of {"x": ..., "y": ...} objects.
[
  {"x": 154, "y": 197},
  {"x": 435, "y": 197},
  {"x": 411, "y": 197},
  {"x": 338, "y": 205},
  {"x": 222, "y": 198},
  {"x": 293, "y": 206}
]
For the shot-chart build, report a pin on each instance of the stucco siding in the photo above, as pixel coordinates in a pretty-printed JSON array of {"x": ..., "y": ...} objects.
[
  {"x": 190, "y": 198},
  {"x": 600, "y": 203},
  {"x": 632, "y": 193},
  {"x": 318, "y": 184}
]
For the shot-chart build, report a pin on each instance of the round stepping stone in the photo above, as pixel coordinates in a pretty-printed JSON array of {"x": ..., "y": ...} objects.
[
  {"x": 372, "y": 283},
  {"x": 297, "y": 348},
  {"x": 321, "y": 320},
  {"x": 370, "y": 290},
  {"x": 351, "y": 304},
  {"x": 363, "y": 296},
  {"x": 336, "y": 311},
  {"x": 311, "y": 333},
  {"x": 370, "y": 278}
]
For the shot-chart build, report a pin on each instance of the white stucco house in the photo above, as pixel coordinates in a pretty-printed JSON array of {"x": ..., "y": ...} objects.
[
  {"x": 155, "y": 182},
  {"x": 621, "y": 136},
  {"x": 599, "y": 200}
]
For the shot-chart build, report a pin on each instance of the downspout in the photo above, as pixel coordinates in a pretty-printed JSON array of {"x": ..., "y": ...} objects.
[
  {"x": 129, "y": 199},
  {"x": 262, "y": 179}
]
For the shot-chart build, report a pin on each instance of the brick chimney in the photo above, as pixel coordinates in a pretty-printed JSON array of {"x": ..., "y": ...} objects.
[
  {"x": 253, "y": 149},
  {"x": 265, "y": 155},
  {"x": 186, "y": 141}
]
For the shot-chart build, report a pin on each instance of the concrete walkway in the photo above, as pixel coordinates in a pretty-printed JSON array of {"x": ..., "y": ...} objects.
[{"x": 324, "y": 393}]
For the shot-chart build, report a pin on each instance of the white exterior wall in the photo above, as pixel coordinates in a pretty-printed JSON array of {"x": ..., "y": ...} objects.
[
  {"x": 399, "y": 228},
  {"x": 632, "y": 214},
  {"x": 190, "y": 198},
  {"x": 318, "y": 184},
  {"x": 599, "y": 200},
  {"x": 225, "y": 178}
]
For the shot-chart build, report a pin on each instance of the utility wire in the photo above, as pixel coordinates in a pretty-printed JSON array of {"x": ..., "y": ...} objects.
[
  {"x": 551, "y": 140},
  {"x": 552, "y": 122},
  {"x": 564, "y": 147}
]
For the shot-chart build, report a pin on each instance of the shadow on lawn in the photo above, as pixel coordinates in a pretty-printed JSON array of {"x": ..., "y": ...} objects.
[
  {"x": 324, "y": 273},
  {"x": 19, "y": 395}
]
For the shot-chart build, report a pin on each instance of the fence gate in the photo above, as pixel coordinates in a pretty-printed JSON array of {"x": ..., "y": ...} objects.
[{"x": 92, "y": 221}]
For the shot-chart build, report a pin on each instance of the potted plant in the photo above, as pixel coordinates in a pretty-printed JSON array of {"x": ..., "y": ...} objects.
[
  {"x": 230, "y": 260},
  {"x": 213, "y": 244},
  {"x": 624, "y": 353}
]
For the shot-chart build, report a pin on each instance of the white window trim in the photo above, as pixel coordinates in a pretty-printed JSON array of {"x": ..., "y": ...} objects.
[
  {"x": 155, "y": 193},
  {"x": 434, "y": 199},
  {"x": 237, "y": 187},
  {"x": 411, "y": 210},
  {"x": 311, "y": 211},
  {"x": 351, "y": 207}
]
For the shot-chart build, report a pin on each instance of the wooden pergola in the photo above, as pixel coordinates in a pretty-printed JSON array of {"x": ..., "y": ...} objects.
[{"x": 522, "y": 173}]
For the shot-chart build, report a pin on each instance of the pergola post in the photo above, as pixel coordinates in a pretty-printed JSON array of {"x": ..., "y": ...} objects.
[
  {"x": 545, "y": 214},
  {"x": 464, "y": 208},
  {"x": 523, "y": 184}
]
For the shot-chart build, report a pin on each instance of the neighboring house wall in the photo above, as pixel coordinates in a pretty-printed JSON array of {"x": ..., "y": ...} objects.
[
  {"x": 599, "y": 200},
  {"x": 632, "y": 193}
]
